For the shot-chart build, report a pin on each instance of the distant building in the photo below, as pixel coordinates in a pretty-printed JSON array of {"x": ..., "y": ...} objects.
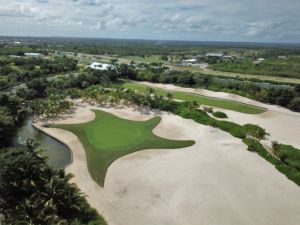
[
  {"x": 260, "y": 59},
  {"x": 189, "y": 62},
  {"x": 101, "y": 66},
  {"x": 203, "y": 65},
  {"x": 219, "y": 55},
  {"x": 35, "y": 55},
  {"x": 227, "y": 57},
  {"x": 282, "y": 57}
]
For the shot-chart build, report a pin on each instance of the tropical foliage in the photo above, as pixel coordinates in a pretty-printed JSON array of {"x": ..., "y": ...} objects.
[{"x": 32, "y": 193}]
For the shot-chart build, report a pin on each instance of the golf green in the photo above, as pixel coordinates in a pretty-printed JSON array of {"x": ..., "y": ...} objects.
[
  {"x": 109, "y": 137},
  {"x": 204, "y": 100}
]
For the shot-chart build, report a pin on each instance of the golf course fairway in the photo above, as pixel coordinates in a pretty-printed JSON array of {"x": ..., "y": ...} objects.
[
  {"x": 109, "y": 137},
  {"x": 203, "y": 100}
]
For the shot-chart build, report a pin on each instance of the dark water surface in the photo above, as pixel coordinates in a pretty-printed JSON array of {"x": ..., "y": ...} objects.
[{"x": 59, "y": 155}]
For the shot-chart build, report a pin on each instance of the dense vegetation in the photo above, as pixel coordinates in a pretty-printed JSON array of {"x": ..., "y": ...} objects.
[
  {"x": 289, "y": 67},
  {"x": 14, "y": 70},
  {"x": 220, "y": 115},
  {"x": 32, "y": 193},
  {"x": 273, "y": 93},
  {"x": 12, "y": 112},
  {"x": 28, "y": 184}
]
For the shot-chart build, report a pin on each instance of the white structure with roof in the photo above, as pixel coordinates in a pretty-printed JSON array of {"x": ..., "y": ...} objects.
[
  {"x": 101, "y": 66},
  {"x": 189, "y": 62},
  {"x": 33, "y": 54},
  {"x": 214, "y": 55},
  {"x": 282, "y": 57}
]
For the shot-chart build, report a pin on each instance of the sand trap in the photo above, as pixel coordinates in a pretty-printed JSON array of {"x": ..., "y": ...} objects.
[
  {"x": 282, "y": 124},
  {"x": 214, "y": 182}
]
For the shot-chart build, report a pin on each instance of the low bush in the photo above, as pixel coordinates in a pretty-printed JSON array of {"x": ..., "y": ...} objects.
[
  {"x": 255, "y": 131},
  {"x": 220, "y": 115}
]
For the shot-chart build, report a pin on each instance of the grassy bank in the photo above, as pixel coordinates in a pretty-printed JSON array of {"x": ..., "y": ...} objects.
[
  {"x": 215, "y": 102},
  {"x": 287, "y": 160}
]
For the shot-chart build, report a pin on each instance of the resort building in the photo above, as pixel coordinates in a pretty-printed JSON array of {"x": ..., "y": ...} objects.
[
  {"x": 282, "y": 57},
  {"x": 101, "y": 66},
  {"x": 189, "y": 62},
  {"x": 34, "y": 55},
  {"x": 219, "y": 55}
]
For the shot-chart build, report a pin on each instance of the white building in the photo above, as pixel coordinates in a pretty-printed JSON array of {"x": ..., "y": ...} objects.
[
  {"x": 219, "y": 55},
  {"x": 203, "y": 65},
  {"x": 189, "y": 62},
  {"x": 260, "y": 59},
  {"x": 282, "y": 57},
  {"x": 227, "y": 57},
  {"x": 101, "y": 66},
  {"x": 35, "y": 55}
]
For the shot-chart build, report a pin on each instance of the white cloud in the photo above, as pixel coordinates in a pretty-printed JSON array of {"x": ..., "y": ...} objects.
[{"x": 199, "y": 20}]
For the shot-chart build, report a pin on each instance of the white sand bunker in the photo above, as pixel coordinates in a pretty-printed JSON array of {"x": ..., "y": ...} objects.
[{"x": 214, "y": 182}]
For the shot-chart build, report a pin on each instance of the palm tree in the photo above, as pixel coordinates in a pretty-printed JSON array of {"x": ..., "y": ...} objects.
[{"x": 275, "y": 148}]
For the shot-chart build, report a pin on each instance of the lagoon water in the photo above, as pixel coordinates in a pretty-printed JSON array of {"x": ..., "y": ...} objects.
[{"x": 59, "y": 156}]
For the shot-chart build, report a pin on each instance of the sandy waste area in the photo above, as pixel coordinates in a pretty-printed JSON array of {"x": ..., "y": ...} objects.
[{"x": 214, "y": 182}]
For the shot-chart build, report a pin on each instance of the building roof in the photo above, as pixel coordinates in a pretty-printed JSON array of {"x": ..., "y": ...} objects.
[
  {"x": 33, "y": 54},
  {"x": 190, "y": 60},
  {"x": 101, "y": 66},
  {"x": 214, "y": 54}
]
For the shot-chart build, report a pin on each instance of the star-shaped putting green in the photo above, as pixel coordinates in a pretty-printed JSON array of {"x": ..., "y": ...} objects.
[{"x": 109, "y": 137}]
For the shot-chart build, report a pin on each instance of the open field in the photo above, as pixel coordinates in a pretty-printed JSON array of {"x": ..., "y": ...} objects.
[
  {"x": 108, "y": 137},
  {"x": 214, "y": 181},
  {"x": 220, "y": 103},
  {"x": 146, "y": 59},
  {"x": 288, "y": 67},
  {"x": 234, "y": 74}
]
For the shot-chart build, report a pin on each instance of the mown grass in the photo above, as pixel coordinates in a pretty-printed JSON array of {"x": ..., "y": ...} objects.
[
  {"x": 109, "y": 137},
  {"x": 203, "y": 100},
  {"x": 146, "y": 59}
]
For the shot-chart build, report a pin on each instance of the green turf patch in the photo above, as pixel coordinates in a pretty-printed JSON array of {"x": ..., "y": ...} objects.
[
  {"x": 215, "y": 102},
  {"x": 109, "y": 137}
]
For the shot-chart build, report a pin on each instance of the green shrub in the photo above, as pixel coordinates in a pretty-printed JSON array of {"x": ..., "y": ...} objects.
[
  {"x": 219, "y": 114},
  {"x": 234, "y": 129},
  {"x": 289, "y": 155},
  {"x": 255, "y": 131}
]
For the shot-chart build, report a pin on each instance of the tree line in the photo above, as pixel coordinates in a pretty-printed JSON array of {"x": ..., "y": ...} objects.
[
  {"x": 272, "y": 93},
  {"x": 15, "y": 70}
]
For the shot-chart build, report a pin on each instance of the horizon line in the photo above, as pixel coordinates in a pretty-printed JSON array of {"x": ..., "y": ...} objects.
[{"x": 150, "y": 39}]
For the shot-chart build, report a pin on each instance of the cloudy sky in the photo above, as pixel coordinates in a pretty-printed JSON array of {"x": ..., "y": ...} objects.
[{"x": 203, "y": 20}]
